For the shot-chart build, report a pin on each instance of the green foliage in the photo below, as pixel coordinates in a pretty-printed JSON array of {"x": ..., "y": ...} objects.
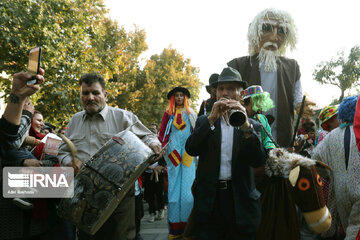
[
  {"x": 76, "y": 37},
  {"x": 161, "y": 74},
  {"x": 341, "y": 72}
]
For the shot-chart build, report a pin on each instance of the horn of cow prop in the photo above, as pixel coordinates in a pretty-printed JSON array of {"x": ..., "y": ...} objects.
[{"x": 73, "y": 152}]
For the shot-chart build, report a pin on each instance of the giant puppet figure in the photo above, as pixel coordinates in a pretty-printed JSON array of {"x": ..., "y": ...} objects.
[
  {"x": 269, "y": 34},
  {"x": 176, "y": 126}
]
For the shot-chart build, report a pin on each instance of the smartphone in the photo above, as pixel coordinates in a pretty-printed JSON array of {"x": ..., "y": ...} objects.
[{"x": 34, "y": 64}]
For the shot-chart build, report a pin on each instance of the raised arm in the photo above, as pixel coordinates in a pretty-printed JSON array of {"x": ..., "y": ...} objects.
[{"x": 19, "y": 93}]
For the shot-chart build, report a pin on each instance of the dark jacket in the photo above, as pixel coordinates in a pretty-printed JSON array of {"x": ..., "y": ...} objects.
[
  {"x": 209, "y": 104},
  {"x": 247, "y": 153},
  {"x": 288, "y": 73}
]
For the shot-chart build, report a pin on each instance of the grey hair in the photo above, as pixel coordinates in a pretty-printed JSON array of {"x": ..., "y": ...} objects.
[
  {"x": 281, "y": 162},
  {"x": 255, "y": 30}
]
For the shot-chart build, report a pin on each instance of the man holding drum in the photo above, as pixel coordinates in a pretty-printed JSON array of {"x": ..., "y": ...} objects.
[{"x": 89, "y": 130}]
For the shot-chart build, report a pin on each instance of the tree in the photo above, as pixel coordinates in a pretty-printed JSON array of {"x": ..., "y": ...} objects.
[
  {"x": 162, "y": 73},
  {"x": 341, "y": 72},
  {"x": 77, "y": 37}
]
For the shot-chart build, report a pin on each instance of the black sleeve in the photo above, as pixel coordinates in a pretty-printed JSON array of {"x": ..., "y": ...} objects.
[
  {"x": 8, "y": 133},
  {"x": 255, "y": 146},
  {"x": 162, "y": 162},
  {"x": 201, "y": 110},
  {"x": 197, "y": 140}
]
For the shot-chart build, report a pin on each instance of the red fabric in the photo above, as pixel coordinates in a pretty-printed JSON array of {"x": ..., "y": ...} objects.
[
  {"x": 357, "y": 124},
  {"x": 39, "y": 148},
  {"x": 40, "y": 205},
  {"x": 358, "y": 235},
  {"x": 177, "y": 228},
  {"x": 34, "y": 133},
  {"x": 162, "y": 129},
  {"x": 140, "y": 182},
  {"x": 175, "y": 158},
  {"x": 178, "y": 118}
]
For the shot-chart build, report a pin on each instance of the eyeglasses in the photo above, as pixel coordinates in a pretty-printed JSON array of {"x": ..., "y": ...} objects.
[{"x": 268, "y": 28}]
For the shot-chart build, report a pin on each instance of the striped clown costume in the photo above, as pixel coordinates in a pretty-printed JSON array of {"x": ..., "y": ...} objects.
[{"x": 176, "y": 126}]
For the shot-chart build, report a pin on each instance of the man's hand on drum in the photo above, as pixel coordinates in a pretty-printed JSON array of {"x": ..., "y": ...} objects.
[
  {"x": 76, "y": 167},
  {"x": 157, "y": 150},
  {"x": 32, "y": 163},
  {"x": 158, "y": 169}
]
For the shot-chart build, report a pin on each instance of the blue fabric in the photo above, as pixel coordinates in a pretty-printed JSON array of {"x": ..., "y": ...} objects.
[
  {"x": 137, "y": 188},
  {"x": 180, "y": 177},
  {"x": 344, "y": 125},
  {"x": 19, "y": 155},
  {"x": 346, "y": 110},
  {"x": 168, "y": 127}
]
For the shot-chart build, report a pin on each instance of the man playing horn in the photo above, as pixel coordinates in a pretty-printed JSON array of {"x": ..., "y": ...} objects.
[
  {"x": 269, "y": 34},
  {"x": 226, "y": 202}
]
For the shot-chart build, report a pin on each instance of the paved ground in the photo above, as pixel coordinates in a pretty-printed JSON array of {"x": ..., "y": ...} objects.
[{"x": 158, "y": 230}]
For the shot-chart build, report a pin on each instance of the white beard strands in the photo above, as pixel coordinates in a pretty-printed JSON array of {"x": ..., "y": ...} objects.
[{"x": 268, "y": 58}]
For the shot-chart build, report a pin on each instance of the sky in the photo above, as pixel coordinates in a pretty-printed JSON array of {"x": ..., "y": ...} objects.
[{"x": 213, "y": 32}]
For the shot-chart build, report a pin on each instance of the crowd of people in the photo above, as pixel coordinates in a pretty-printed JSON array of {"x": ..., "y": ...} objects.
[{"x": 210, "y": 167}]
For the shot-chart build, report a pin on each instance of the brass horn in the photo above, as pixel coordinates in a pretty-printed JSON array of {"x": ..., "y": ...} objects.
[{"x": 236, "y": 118}]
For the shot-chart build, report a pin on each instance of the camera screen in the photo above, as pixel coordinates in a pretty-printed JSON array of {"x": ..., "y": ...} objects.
[{"x": 33, "y": 65}]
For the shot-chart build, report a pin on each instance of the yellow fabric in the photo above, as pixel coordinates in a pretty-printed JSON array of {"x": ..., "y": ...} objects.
[
  {"x": 174, "y": 158},
  {"x": 187, "y": 159},
  {"x": 182, "y": 125},
  {"x": 173, "y": 237}
]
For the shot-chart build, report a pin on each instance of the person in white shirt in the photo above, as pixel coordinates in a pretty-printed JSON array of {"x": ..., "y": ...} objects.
[
  {"x": 226, "y": 202},
  {"x": 89, "y": 130}
]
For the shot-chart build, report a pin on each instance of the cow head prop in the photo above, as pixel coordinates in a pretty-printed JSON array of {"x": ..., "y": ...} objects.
[{"x": 306, "y": 185}]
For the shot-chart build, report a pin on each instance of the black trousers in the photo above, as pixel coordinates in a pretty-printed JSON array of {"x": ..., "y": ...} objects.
[
  {"x": 139, "y": 211},
  {"x": 222, "y": 224},
  {"x": 154, "y": 192}
]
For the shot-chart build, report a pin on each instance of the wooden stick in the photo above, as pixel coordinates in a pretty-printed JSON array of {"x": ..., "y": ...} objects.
[{"x": 298, "y": 120}]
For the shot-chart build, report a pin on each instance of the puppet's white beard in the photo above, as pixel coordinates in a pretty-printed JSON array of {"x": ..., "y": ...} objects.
[{"x": 268, "y": 57}]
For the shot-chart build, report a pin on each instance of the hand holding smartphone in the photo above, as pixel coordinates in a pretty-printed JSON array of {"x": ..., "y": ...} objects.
[{"x": 34, "y": 64}]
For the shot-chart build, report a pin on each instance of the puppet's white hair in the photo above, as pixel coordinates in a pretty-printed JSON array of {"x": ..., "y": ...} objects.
[
  {"x": 281, "y": 162},
  {"x": 255, "y": 30}
]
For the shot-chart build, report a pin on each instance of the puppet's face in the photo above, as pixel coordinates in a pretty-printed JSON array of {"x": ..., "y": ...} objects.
[
  {"x": 273, "y": 34},
  {"x": 179, "y": 98}
]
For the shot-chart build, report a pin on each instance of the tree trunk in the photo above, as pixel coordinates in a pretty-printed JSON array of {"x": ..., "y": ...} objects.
[{"x": 342, "y": 96}]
